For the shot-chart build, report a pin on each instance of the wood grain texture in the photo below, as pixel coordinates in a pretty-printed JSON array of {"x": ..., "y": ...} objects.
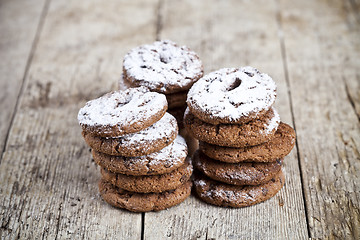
[
  {"x": 48, "y": 181},
  {"x": 322, "y": 45},
  {"x": 19, "y": 21},
  {"x": 231, "y": 34}
]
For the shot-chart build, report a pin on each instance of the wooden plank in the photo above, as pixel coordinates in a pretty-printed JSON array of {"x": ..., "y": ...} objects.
[
  {"x": 228, "y": 34},
  {"x": 19, "y": 21},
  {"x": 48, "y": 181},
  {"x": 322, "y": 48}
]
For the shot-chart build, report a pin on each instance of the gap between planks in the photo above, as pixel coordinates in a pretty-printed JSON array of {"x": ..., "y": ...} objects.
[
  {"x": 287, "y": 81},
  {"x": 27, "y": 67}
]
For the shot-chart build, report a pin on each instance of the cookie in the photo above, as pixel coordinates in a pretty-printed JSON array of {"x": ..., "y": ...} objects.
[
  {"x": 122, "y": 112},
  {"x": 232, "y": 95},
  {"x": 162, "y": 66},
  {"x": 176, "y": 100},
  {"x": 166, "y": 160},
  {"x": 236, "y": 173},
  {"x": 234, "y": 135},
  {"x": 154, "y": 183},
  {"x": 225, "y": 195},
  {"x": 143, "y": 202},
  {"x": 145, "y": 142},
  {"x": 278, "y": 147}
]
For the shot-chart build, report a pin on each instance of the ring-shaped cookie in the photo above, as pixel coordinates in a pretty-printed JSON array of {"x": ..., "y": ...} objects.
[
  {"x": 122, "y": 112},
  {"x": 232, "y": 95},
  {"x": 162, "y": 67}
]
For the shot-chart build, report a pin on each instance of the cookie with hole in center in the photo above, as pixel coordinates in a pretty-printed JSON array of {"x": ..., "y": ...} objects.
[
  {"x": 122, "y": 112},
  {"x": 226, "y": 195},
  {"x": 153, "y": 183},
  {"x": 144, "y": 142},
  {"x": 143, "y": 202},
  {"x": 166, "y": 160},
  {"x": 162, "y": 66},
  {"x": 236, "y": 173},
  {"x": 232, "y": 96},
  {"x": 278, "y": 147},
  {"x": 251, "y": 133}
]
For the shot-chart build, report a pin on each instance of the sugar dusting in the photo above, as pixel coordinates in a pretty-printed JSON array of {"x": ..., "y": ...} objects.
[
  {"x": 233, "y": 93},
  {"x": 163, "y": 128},
  {"x": 273, "y": 123},
  {"x": 163, "y": 64},
  {"x": 170, "y": 155},
  {"x": 121, "y": 108}
]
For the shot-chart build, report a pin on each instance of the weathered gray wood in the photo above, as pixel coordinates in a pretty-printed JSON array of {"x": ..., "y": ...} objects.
[
  {"x": 322, "y": 48},
  {"x": 228, "y": 34},
  {"x": 19, "y": 21},
  {"x": 48, "y": 182}
]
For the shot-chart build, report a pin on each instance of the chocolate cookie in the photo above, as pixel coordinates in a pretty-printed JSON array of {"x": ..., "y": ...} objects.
[
  {"x": 154, "y": 183},
  {"x": 225, "y": 195},
  {"x": 143, "y": 202},
  {"x": 176, "y": 100},
  {"x": 162, "y": 67},
  {"x": 232, "y": 95},
  {"x": 278, "y": 147},
  {"x": 122, "y": 112},
  {"x": 164, "y": 161},
  {"x": 236, "y": 173},
  {"x": 145, "y": 142},
  {"x": 234, "y": 135}
]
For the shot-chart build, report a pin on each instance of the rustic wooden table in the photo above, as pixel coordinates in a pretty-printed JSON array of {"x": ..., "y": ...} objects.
[{"x": 56, "y": 55}]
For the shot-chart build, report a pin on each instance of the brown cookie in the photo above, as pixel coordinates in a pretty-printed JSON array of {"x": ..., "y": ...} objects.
[
  {"x": 236, "y": 173},
  {"x": 143, "y": 202},
  {"x": 166, "y": 160},
  {"x": 278, "y": 147},
  {"x": 176, "y": 100},
  {"x": 145, "y": 142},
  {"x": 232, "y": 95},
  {"x": 122, "y": 112},
  {"x": 147, "y": 184},
  {"x": 162, "y": 67},
  {"x": 234, "y": 135},
  {"x": 225, "y": 195}
]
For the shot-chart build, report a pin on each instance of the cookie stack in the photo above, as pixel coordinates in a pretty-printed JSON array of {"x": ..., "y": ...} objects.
[
  {"x": 241, "y": 139},
  {"x": 166, "y": 68},
  {"x": 135, "y": 142}
]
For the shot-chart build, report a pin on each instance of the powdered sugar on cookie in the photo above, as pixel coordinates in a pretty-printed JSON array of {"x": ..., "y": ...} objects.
[
  {"x": 164, "y": 128},
  {"x": 162, "y": 66},
  {"x": 273, "y": 123},
  {"x": 172, "y": 154},
  {"x": 230, "y": 94},
  {"x": 121, "y": 110}
]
